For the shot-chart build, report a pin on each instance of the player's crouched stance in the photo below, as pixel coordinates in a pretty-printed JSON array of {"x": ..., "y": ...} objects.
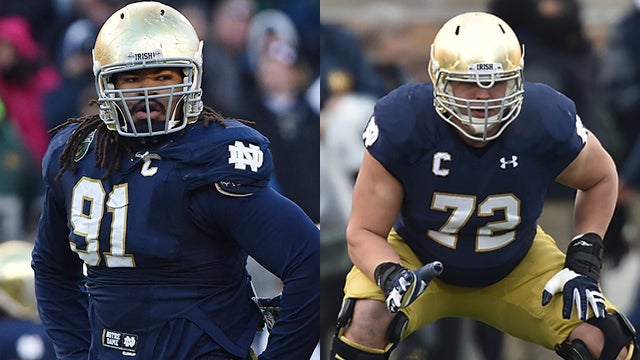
[
  {"x": 444, "y": 219},
  {"x": 577, "y": 282}
]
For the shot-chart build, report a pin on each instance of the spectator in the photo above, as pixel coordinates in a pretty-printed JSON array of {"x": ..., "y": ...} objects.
[
  {"x": 46, "y": 18},
  {"x": 20, "y": 182},
  {"x": 76, "y": 74},
  {"x": 281, "y": 112},
  {"x": 343, "y": 66},
  {"x": 304, "y": 14},
  {"x": 73, "y": 59},
  {"x": 388, "y": 44},
  {"x": 197, "y": 11},
  {"x": 25, "y": 80},
  {"x": 225, "y": 70}
]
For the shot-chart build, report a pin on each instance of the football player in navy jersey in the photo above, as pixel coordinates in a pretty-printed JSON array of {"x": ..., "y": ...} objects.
[
  {"x": 446, "y": 203},
  {"x": 161, "y": 200}
]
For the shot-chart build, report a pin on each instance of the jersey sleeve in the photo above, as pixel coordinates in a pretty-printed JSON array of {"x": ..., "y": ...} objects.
[
  {"x": 397, "y": 133},
  {"x": 59, "y": 282},
  {"x": 571, "y": 146},
  {"x": 553, "y": 125},
  {"x": 279, "y": 236},
  {"x": 236, "y": 158}
]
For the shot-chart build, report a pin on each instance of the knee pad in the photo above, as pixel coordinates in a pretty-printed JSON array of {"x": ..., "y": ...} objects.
[
  {"x": 618, "y": 333},
  {"x": 344, "y": 349},
  {"x": 574, "y": 350}
]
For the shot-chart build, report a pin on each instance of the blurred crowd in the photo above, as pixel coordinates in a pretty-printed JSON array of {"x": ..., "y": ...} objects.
[
  {"x": 261, "y": 61},
  {"x": 364, "y": 59}
]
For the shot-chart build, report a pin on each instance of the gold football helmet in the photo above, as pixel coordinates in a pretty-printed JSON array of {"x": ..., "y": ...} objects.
[
  {"x": 148, "y": 35},
  {"x": 17, "y": 293},
  {"x": 477, "y": 48}
]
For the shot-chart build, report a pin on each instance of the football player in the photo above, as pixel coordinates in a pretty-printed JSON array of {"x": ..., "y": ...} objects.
[
  {"x": 21, "y": 334},
  {"x": 445, "y": 208},
  {"x": 161, "y": 200}
]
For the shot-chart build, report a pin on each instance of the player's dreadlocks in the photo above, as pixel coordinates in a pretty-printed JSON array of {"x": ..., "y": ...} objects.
[{"x": 106, "y": 156}]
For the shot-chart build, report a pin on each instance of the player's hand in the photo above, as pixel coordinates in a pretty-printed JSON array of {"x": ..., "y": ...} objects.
[
  {"x": 578, "y": 280},
  {"x": 270, "y": 309},
  {"x": 577, "y": 289},
  {"x": 402, "y": 286}
]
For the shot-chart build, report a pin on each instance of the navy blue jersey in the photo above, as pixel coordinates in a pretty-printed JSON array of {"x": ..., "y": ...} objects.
[
  {"x": 475, "y": 210},
  {"x": 24, "y": 339},
  {"x": 165, "y": 240}
]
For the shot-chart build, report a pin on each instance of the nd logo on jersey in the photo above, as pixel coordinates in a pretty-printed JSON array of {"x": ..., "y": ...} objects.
[
  {"x": 370, "y": 134},
  {"x": 242, "y": 156}
]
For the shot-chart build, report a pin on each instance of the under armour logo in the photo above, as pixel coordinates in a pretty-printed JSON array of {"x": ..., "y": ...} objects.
[
  {"x": 242, "y": 156},
  {"x": 504, "y": 162}
]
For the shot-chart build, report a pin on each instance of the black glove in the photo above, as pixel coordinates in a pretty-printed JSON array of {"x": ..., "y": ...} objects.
[
  {"x": 402, "y": 286},
  {"x": 270, "y": 309},
  {"x": 578, "y": 280}
]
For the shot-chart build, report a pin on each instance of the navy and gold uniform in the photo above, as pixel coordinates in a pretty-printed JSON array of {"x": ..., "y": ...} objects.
[
  {"x": 163, "y": 200},
  {"x": 476, "y": 210},
  {"x": 473, "y": 209},
  {"x": 444, "y": 221},
  {"x": 165, "y": 241}
]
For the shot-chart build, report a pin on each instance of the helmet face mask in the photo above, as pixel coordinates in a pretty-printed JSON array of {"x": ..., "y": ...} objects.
[
  {"x": 148, "y": 36},
  {"x": 478, "y": 49}
]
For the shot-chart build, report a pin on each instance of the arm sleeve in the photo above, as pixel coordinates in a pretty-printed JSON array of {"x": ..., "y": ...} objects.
[
  {"x": 279, "y": 236},
  {"x": 59, "y": 284}
]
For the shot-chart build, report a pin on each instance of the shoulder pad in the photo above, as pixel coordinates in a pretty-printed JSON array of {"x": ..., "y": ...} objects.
[
  {"x": 50, "y": 162},
  {"x": 404, "y": 122},
  {"x": 235, "y": 157}
]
